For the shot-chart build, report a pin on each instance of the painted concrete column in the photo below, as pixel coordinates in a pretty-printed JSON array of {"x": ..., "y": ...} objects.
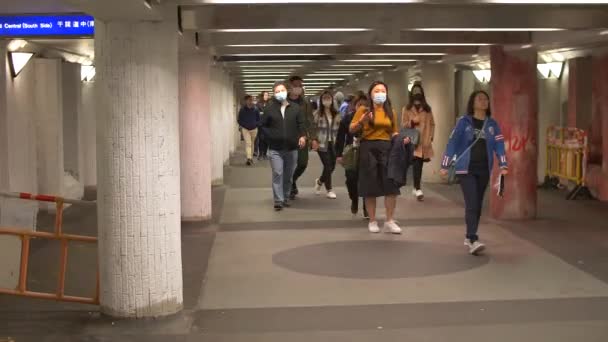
[
  {"x": 397, "y": 84},
  {"x": 217, "y": 130},
  {"x": 514, "y": 106},
  {"x": 549, "y": 108},
  {"x": 4, "y": 75},
  {"x": 579, "y": 92},
  {"x": 71, "y": 107},
  {"x": 438, "y": 82},
  {"x": 49, "y": 126},
  {"x": 195, "y": 135},
  {"x": 597, "y": 174},
  {"x": 138, "y": 168},
  {"x": 87, "y": 128}
]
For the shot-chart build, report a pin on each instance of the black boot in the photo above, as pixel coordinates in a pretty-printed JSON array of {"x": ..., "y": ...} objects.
[{"x": 354, "y": 207}]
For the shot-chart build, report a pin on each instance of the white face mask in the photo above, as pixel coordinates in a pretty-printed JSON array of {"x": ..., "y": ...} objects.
[
  {"x": 327, "y": 103},
  {"x": 281, "y": 96}
]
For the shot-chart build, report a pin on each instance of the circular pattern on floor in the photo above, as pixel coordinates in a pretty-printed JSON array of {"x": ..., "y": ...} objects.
[{"x": 378, "y": 259}]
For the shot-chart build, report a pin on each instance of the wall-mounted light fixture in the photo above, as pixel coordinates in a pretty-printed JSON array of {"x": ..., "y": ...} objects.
[
  {"x": 550, "y": 70},
  {"x": 17, "y": 61},
  {"x": 483, "y": 76},
  {"x": 16, "y": 44},
  {"x": 87, "y": 73}
]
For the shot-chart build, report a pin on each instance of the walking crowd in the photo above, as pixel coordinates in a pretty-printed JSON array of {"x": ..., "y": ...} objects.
[{"x": 362, "y": 133}]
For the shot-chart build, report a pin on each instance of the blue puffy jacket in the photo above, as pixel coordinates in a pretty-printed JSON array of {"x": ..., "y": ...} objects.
[{"x": 463, "y": 136}]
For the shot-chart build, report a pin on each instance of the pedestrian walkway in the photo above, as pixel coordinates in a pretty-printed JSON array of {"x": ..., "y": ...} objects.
[{"x": 314, "y": 273}]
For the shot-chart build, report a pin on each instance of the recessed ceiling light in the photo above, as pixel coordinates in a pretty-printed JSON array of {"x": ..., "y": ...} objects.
[
  {"x": 437, "y": 44},
  {"x": 328, "y": 74},
  {"x": 363, "y": 66},
  {"x": 379, "y": 60},
  {"x": 488, "y": 29},
  {"x": 293, "y": 30},
  {"x": 273, "y": 54},
  {"x": 402, "y": 54},
  {"x": 279, "y": 45}
]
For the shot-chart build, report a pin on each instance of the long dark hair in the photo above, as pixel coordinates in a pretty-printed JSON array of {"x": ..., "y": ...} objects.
[
  {"x": 422, "y": 99},
  {"x": 332, "y": 108},
  {"x": 388, "y": 107},
  {"x": 261, "y": 97},
  {"x": 471, "y": 104}
]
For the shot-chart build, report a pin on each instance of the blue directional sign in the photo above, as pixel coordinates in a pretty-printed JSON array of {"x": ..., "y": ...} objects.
[{"x": 47, "y": 26}]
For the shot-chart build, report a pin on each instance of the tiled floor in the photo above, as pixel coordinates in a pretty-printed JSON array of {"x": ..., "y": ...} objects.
[{"x": 313, "y": 273}]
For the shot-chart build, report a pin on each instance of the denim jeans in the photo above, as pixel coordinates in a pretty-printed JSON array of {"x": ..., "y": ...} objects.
[
  {"x": 474, "y": 187},
  {"x": 283, "y": 164}
]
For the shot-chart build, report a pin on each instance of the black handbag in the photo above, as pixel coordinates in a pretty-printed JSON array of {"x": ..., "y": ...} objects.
[{"x": 452, "y": 167}]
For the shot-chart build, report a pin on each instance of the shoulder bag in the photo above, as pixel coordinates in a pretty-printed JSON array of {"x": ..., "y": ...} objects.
[{"x": 452, "y": 167}]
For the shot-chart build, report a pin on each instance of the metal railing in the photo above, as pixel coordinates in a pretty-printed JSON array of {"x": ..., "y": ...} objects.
[{"x": 56, "y": 235}]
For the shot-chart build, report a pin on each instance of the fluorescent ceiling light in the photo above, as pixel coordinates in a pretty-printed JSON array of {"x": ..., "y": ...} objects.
[
  {"x": 265, "y": 67},
  {"x": 278, "y": 61},
  {"x": 483, "y": 76},
  {"x": 279, "y": 45},
  {"x": 265, "y": 72},
  {"x": 437, "y": 44},
  {"x": 550, "y": 70},
  {"x": 328, "y": 74},
  {"x": 552, "y": 2},
  {"x": 343, "y": 70},
  {"x": 362, "y": 66},
  {"x": 322, "y": 79},
  {"x": 402, "y": 54},
  {"x": 18, "y": 61},
  {"x": 294, "y": 30},
  {"x": 379, "y": 60},
  {"x": 603, "y": 33},
  {"x": 87, "y": 73},
  {"x": 488, "y": 29},
  {"x": 16, "y": 44},
  {"x": 273, "y": 54}
]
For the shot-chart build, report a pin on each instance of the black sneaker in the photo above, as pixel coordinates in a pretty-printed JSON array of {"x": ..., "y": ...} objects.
[
  {"x": 294, "y": 192},
  {"x": 278, "y": 207},
  {"x": 354, "y": 207},
  {"x": 249, "y": 162},
  {"x": 286, "y": 205}
]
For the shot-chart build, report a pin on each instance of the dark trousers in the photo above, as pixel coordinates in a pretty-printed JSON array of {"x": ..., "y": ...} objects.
[
  {"x": 328, "y": 158},
  {"x": 301, "y": 167},
  {"x": 474, "y": 186},
  {"x": 352, "y": 185},
  {"x": 417, "y": 165},
  {"x": 261, "y": 146}
]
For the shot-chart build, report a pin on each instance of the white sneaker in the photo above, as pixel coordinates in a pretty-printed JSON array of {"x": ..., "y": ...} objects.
[
  {"x": 393, "y": 227},
  {"x": 331, "y": 195},
  {"x": 419, "y": 195},
  {"x": 474, "y": 247},
  {"x": 318, "y": 186},
  {"x": 373, "y": 227}
]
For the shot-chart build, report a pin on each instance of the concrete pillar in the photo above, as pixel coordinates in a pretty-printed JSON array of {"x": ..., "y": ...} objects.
[
  {"x": 597, "y": 173},
  {"x": 438, "y": 83},
  {"x": 549, "y": 104},
  {"x": 514, "y": 106},
  {"x": 87, "y": 128},
  {"x": 217, "y": 132},
  {"x": 579, "y": 92},
  {"x": 4, "y": 79},
  {"x": 465, "y": 86},
  {"x": 195, "y": 135},
  {"x": 397, "y": 84},
  {"x": 70, "y": 86},
  {"x": 49, "y": 126},
  {"x": 18, "y": 130},
  {"x": 138, "y": 168}
]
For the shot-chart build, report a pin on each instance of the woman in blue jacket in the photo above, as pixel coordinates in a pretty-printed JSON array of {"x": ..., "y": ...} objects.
[{"x": 472, "y": 145}]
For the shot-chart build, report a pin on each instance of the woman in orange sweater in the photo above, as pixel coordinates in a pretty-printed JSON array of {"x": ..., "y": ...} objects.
[{"x": 377, "y": 125}]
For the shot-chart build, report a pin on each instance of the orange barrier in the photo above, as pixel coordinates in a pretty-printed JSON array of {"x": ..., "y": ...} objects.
[
  {"x": 567, "y": 154},
  {"x": 58, "y": 235}
]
